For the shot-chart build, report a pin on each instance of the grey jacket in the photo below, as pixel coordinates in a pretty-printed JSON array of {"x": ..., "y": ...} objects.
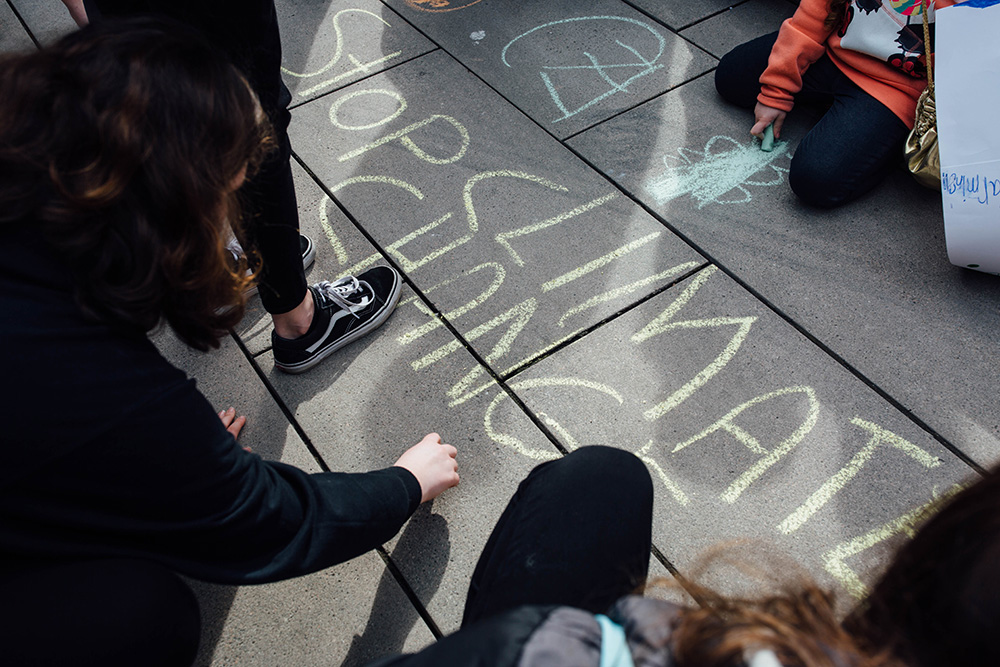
[{"x": 539, "y": 636}]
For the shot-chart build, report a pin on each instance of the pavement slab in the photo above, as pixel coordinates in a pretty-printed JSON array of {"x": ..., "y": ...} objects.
[
  {"x": 719, "y": 34},
  {"x": 870, "y": 280},
  {"x": 371, "y": 400},
  {"x": 749, "y": 430},
  {"x": 568, "y": 65},
  {"x": 13, "y": 36},
  {"x": 514, "y": 240},
  {"x": 47, "y": 20},
  {"x": 679, "y": 15},
  {"x": 328, "y": 45},
  {"x": 350, "y": 614}
]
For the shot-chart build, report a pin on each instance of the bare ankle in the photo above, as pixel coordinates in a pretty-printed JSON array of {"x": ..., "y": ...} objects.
[{"x": 295, "y": 322}]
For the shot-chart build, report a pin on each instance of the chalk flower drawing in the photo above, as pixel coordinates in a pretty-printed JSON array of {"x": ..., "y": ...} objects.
[
  {"x": 633, "y": 67},
  {"x": 721, "y": 174}
]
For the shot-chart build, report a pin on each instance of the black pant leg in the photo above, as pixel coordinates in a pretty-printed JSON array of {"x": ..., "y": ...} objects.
[
  {"x": 851, "y": 148},
  {"x": 577, "y": 533},
  {"x": 737, "y": 77},
  {"x": 247, "y": 30},
  {"x": 105, "y": 613}
]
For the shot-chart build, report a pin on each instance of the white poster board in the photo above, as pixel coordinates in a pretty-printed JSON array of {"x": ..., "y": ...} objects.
[{"x": 967, "y": 95}]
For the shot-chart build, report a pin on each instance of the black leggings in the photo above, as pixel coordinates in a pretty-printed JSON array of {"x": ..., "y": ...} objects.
[
  {"x": 247, "y": 31},
  {"x": 848, "y": 151},
  {"x": 577, "y": 533},
  {"x": 104, "y": 613}
]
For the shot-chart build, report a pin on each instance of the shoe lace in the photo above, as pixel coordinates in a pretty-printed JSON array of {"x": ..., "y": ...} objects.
[{"x": 340, "y": 291}]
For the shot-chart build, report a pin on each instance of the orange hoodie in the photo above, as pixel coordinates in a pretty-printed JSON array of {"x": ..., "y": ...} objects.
[{"x": 881, "y": 40}]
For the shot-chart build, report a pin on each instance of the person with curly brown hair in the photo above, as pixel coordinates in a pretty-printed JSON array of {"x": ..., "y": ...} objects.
[
  {"x": 311, "y": 322},
  {"x": 122, "y": 148}
]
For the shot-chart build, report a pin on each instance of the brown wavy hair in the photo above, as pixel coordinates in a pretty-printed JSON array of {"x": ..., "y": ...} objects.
[
  {"x": 799, "y": 621},
  {"x": 121, "y": 144},
  {"x": 938, "y": 603},
  {"x": 836, "y": 15},
  {"x": 800, "y": 625}
]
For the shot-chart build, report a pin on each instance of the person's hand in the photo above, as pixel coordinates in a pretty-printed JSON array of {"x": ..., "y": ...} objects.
[
  {"x": 764, "y": 116},
  {"x": 232, "y": 423},
  {"x": 433, "y": 464}
]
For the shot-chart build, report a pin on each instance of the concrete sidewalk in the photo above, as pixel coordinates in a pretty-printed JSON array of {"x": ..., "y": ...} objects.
[{"x": 596, "y": 252}]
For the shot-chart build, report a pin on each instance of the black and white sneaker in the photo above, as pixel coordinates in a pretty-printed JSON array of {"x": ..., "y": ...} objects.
[
  {"x": 306, "y": 246},
  {"x": 345, "y": 311}
]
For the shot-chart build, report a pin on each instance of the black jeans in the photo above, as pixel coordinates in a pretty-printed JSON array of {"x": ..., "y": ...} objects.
[
  {"x": 848, "y": 151},
  {"x": 577, "y": 533},
  {"x": 247, "y": 31},
  {"x": 106, "y": 613}
]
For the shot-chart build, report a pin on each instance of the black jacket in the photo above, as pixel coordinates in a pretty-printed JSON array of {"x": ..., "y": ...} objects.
[{"x": 109, "y": 451}]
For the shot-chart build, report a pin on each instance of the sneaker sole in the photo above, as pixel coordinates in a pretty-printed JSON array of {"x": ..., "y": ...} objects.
[{"x": 349, "y": 338}]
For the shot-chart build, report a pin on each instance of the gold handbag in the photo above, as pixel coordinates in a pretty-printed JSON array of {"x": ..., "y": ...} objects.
[{"x": 921, "y": 148}]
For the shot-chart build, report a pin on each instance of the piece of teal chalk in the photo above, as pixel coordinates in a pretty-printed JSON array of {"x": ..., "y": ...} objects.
[{"x": 767, "y": 143}]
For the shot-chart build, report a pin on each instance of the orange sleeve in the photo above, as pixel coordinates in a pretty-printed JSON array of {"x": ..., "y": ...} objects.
[{"x": 801, "y": 42}]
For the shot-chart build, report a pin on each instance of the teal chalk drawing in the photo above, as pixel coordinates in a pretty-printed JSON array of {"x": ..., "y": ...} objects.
[
  {"x": 767, "y": 143},
  {"x": 644, "y": 65},
  {"x": 719, "y": 174}
]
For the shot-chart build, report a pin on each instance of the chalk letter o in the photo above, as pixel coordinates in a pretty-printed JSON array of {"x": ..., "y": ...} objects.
[{"x": 335, "y": 108}]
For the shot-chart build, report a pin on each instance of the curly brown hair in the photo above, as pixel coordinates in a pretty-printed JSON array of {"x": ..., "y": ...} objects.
[
  {"x": 836, "y": 15},
  {"x": 800, "y": 625},
  {"x": 121, "y": 144},
  {"x": 798, "y": 620}
]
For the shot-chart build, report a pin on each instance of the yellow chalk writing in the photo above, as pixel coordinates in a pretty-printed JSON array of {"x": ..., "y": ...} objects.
[
  {"x": 499, "y": 274},
  {"x": 502, "y": 237},
  {"x": 624, "y": 290},
  {"x": 339, "y": 102},
  {"x": 822, "y": 495},
  {"x": 834, "y": 560},
  {"x": 593, "y": 265},
  {"x": 359, "y": 67},
  {"x": 662, "y": 324},
  {"x": 674, "y": 490},
  {"x": 410, "y": 145}
]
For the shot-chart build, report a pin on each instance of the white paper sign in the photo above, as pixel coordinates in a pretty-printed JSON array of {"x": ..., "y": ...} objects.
[{"x": 967, "y": 96}]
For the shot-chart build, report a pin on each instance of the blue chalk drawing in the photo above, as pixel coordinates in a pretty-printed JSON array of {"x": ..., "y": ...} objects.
[
  {"x": 604, "y": 71},
  {"x": 723, "y": 167}
]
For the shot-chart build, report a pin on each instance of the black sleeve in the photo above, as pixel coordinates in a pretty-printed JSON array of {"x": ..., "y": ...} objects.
[{"x": 167, "y": 482}]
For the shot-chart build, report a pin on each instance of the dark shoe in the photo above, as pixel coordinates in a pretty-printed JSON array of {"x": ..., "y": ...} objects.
[
  {"x": 345, "y": 311},
  {"x": 306, "y": 247}
]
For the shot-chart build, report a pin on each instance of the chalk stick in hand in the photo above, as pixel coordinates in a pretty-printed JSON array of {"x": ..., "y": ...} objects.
[{"x": 767, "y": 143}]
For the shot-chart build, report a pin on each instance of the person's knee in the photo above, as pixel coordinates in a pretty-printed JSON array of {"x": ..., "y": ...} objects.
[
  {"x": 613, "y": 468},
  {"x": 729, "y": 80},
  {"x": 816, "y": 184}
]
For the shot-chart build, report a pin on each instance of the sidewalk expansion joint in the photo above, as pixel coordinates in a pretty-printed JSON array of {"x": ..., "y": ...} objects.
[
  {"x": 397, "y": 574},
  {"x": 337, "y": 89},
  {"x": 527, "y": 363},
  {"x": 281, "y": 404},
  {"x": 24, "y": 25}
]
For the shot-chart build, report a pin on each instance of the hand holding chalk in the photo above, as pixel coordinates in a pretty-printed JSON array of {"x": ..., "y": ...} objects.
[
  {"x": 767, "y": 125},
  {"x": 433, "y": 463},
  {"x": 767, "y": 141}
]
